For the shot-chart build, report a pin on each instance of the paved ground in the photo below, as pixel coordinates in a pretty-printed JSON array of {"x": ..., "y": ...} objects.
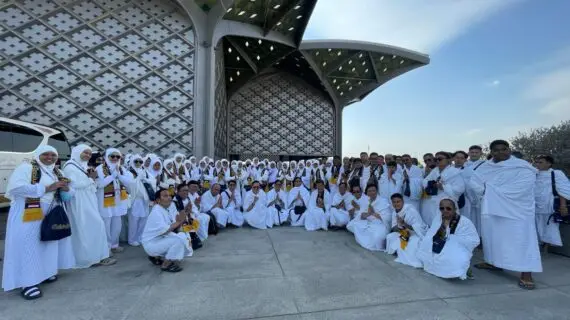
[{"x": 288, "y": 273}]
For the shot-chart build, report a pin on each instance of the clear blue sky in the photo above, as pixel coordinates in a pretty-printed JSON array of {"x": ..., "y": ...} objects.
[{"x": 497, "y": 67}]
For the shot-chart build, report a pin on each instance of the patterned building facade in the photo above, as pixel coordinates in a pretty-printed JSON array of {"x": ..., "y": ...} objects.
[{"x": 229, "y": 78}]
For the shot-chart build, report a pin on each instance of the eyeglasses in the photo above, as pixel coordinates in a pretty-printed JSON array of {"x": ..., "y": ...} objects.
[
  {"x": 114, "y": 156},
  {"x": 138, "y": 161},
  {"x": 445, "y": 209}
]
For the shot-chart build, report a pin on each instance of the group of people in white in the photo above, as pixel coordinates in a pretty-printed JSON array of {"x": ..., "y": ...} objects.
[{"x": 430, "y": 217}]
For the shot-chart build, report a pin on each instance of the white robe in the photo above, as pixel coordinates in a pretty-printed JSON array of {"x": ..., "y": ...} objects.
[
  {"x": 371, "y": 232},
  {"x": 508, "y": 226},
  {"x": 415, "y": 178},
  {"x": 453, "y": 187},
  {"x": 292, "y": 201},
  {"x": 208, "y": 201},
  {"x": 362, "y": 202},
  {"x": 318, "y": 218},
  {"x": 235, "y": 216},
  {"x": 121, "y": 206},
  {"x": 203, "y": 218},
  {"x": 454, "y": 259},
  {"x": 339, "y": 216},
  {"x": 389, "y": 187},
  {"x": 278, "y": 216},
  {"x": 407, "y": 256},
  {"x": 41, "y": 259},
  {"x": 88, "y": 235},
  {"x": 548, "y": 230},
  {"x": 157, "y": 243},
  {"x": 258, "y": 217}
]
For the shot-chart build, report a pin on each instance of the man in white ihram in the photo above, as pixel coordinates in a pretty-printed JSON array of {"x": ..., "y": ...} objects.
[{"x": 508, "y": 229}]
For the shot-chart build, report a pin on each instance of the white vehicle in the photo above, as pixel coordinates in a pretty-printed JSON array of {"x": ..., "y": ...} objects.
[{"x": 18, "y": 140}]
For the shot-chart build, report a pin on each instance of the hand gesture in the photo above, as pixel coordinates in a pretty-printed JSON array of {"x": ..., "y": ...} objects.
[
  {"x": 56, "y": 185},
  {"x": 92, "y": 174},
  {"x": 400, "y": 221},
  {"x": 439, "y": 185},
  {"x": 181, "y": 217}
]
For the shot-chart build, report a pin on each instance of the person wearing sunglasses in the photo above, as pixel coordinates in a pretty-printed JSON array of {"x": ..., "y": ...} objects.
[
  {"x": 255, "y": 209},
  {"x": 356, "y": 201},
  {"x": 442, "y": 181},
  {"x": 448, "y": 245},
  {"x": 506, "y": 186},
  {"x": 112, "y": 182},
  {"x": 408, "y": 229}
]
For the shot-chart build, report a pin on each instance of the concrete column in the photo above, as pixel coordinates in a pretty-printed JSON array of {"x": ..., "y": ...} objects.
[{"x": 338, "y": 131}]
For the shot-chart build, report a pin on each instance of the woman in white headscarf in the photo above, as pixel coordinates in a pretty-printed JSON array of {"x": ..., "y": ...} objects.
[
  {"x": 88, "y": 235},
  {"x": 28, "y": 262},
  {"x": 140, "y": 200},
  {"x": 169, "y": 177},
  {"x": 112, "y": 196},
  {"x": 187, "y": 171},
  {"x": 154, "y": 171}
]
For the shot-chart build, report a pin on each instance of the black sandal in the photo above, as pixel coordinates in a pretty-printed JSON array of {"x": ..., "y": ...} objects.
[
  {"x": 173, "y": 267},
  {"x": 31, "y": 293},
  {"x": 157, "y": 261},
  {"x": 50, "y": 279}
]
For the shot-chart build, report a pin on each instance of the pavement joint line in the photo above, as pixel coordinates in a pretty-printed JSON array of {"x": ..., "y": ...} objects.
[
  {"x": 343, "y": 308},
  {"x": 276, "y": 255}
]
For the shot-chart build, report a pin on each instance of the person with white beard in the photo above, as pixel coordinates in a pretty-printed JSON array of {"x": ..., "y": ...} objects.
[
  {"x": 112, "y": 194},
  {"x": 88, "y": 235}
]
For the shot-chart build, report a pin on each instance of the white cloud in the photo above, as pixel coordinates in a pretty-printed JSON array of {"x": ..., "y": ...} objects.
[
  {"x": 473, "y": 131},
  {"x": 417, "y": 25},
  {"x": 550, "y": 91}
]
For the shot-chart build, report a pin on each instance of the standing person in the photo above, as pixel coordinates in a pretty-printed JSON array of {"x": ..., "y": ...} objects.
[
  {"x": 412, "y": 177},
  {"x": 442, "y": 181},
  {"x": 140, "y": 202},
  {"x": 475, "y": 153},
  {"x": 508, "y": 227},
  {"x": 88, "y": 235},
  {"x": 111, "y": 193},
  {"x": 390, "y": 181},
  {"x": 549, "y": 185},
  {"x": 29, "y": 262}
]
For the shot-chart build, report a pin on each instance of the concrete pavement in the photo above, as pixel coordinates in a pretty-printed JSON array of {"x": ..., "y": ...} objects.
[{"x": 289, "y": 273}]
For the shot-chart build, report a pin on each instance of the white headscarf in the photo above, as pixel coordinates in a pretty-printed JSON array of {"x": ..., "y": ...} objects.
[
  {"x": 176, "y": 163},
  {"x": 193, "y": 161},
  {"x": 166, "y": 163},
  {"x": 151, "y": 172},
  {"x": 22, "y": 175},
  {"x": 140, "y": 170},
  {"x": 76, "y": 155},
  {"x": 112, "y": 166}
]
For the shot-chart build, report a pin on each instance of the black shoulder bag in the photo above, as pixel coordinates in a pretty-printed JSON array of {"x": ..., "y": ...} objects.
[
  {"x": 556, "y": 215},
  {"x": 55, "y": 225}
]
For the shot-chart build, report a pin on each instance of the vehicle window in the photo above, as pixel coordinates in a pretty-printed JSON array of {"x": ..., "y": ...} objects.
[
  {"x": 25, "y": 139},
  {"x": 5, "y": 136},
  {"x": 60, "y": 144}
]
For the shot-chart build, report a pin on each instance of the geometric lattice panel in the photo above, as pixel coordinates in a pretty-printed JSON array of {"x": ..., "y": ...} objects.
[
  {"x": 281, "y": 115},
  {"x": 221, "y": 107},
  {"x": 106, "y": 72}
]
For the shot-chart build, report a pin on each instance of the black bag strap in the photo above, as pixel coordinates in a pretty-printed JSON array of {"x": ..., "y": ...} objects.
[
  {"x": 554, "y": 192},
  {"x": 477, "y": 166},
  {"x": 75, "y": 165}
]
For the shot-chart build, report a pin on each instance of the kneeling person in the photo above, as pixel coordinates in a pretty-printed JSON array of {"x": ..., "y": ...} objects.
[
  {"x": 408, "y": 229},
  {"x": 160, "y": 240},
  {"x": 448, "y": 246}
]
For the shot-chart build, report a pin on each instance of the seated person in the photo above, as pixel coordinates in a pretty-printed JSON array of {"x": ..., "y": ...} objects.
[
  {"x": 447, "y": 247},
  {"x": 372, "y": 223},
  {"x": 231, "y": 202},
  {"x": 297, "y": 202},
  {"x": 339, "y": 216},
  {"x": 317, "y": 216},
  {"x": 255, "y": 209},
  {"x": 161, "y": 241},
  {"x": 211, "y": 203},
  {"x": 276, "y": 199},
  {"x": 408, "y": 229}
]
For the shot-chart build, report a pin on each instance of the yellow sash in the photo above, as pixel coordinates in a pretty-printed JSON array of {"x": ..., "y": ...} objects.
[
  {"x": 206, "y": 184},
  {"x": 404, "y": 237},
  {"x": 33, "y": 211},
  {"x": 109, "y": 196},
  {"x": 124, "y": 194}
]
